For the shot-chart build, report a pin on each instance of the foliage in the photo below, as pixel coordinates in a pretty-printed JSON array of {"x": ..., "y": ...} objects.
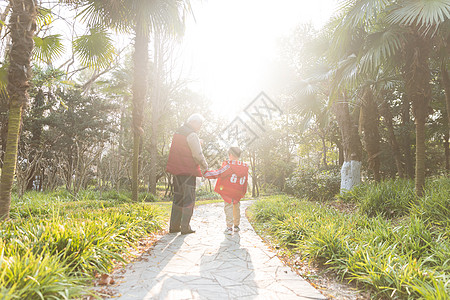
[
  {"x": 53, "y": 244},
  {"x": 204, "y": 192},
  {"x": 35, "y": 276},
  {"x": 435, "y": 205},
  {"x": 316, "y": 184},
  {"x": 396, "y": 198},
  {"x": 401, "y": 260},
  {"x": 390, "y": 198}
]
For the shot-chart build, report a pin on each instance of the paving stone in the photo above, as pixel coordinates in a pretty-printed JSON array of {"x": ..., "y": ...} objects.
[
  {"x": 241, "y": 291},
  {"x": 225, "y": 281},
  {"x": 211, "y": 265}
]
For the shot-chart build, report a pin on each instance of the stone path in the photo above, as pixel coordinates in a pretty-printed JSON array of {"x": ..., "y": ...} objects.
[{"x": 212, "y": 265}]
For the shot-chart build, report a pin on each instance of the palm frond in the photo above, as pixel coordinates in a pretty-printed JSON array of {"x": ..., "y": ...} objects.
[
  {"x": 96, "y": 49},
  {"x": 423, "y": 13},
  {"x": 165, "y": 15},
  {"x": 109, "y": 13},
  {"x": 3, "y": 81},
  {"x": 162, "y": 15},
  {"x": 360, "y": 12},
  {"x": 347, "y": 74},
  {"x": 381, "y": 46},
  {"x": 48, "y": 48},
  {"x": 44, "y": 17},
  {"x": 321, "y": 72},
  {"x": 307, "y": 88}
]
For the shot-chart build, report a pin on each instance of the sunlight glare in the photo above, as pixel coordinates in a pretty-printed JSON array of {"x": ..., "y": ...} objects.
[{"x": 232, "y": 43}]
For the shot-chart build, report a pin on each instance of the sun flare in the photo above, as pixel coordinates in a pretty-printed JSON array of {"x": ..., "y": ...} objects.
[{"x": 230, "y": 45}]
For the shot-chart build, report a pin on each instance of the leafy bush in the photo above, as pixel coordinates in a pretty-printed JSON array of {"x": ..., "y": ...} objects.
[
  {"x": 52, "y": 246},
  {"x": 407, "y": 259},
  {"x": 147, "y": 197},
  {"x": 434, "y": 206},
  {"x": 31, "y": 276},
  {"x": 115, "y": 195},
  {"x": 390, "y": 198},
  {"x": 396, "y": 198},
  {"x": 203, "y": 193},
  {"x": 315, "y": 184}
]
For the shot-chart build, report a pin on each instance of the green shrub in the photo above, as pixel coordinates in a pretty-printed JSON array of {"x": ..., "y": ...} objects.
[
  {"x": 69, "y": 240},
  {"x": 203, "y": 193},
  {"x": 117, "y": 196},
  {"x": 314, "y": 184},
  {"x": 390, "y": 198},
  {"x": 434, "y": 206},
  {"x": 30, "y": 276},
  {"x": 405, "y": 259},
  {"x": 147, "y": 197}
]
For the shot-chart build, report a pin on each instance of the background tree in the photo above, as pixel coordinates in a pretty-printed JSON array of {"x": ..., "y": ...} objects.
[{"x": 22, "y": 26}]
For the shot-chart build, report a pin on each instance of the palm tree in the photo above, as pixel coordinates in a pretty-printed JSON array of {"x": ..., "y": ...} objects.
[
  {"x": 22, "y": 26},
  {"x": 140, "y": 17},
  {"x": 401, "y": 29}
]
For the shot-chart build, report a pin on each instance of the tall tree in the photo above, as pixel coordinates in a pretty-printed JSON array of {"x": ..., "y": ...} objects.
[
  {"x": 370, "y": 120},
  {"x": 404, "y": 30},
  {"x": 351, "y": 143},
  {"x": 140, "y": 17},
  {"x": 22, "y": 28}
]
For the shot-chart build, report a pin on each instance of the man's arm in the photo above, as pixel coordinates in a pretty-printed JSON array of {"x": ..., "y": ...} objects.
[{"x": 196, "y": 149}]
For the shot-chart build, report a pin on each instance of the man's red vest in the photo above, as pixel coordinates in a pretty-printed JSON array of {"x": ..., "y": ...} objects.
[{"x": 180, "y": 161}]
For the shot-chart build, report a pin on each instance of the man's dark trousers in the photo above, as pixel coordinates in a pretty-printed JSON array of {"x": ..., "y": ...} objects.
[{"x": 183, "y": 202}]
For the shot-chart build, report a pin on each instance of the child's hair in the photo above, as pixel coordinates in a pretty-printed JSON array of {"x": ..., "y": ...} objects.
[{"x": 235, "y": 151}]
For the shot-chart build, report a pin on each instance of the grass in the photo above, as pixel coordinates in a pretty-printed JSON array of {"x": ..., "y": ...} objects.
[
  {"x": 406, "y": 258},
  {"x": 391, "y": 198},
  {"x": 53, "y": 245}
]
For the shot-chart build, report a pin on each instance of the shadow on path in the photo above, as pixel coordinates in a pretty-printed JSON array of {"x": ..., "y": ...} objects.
[{"x": 212, "y": 265}]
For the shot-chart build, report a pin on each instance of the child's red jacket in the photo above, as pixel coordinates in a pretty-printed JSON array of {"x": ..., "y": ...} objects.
[{"x": 232, "y": 180}]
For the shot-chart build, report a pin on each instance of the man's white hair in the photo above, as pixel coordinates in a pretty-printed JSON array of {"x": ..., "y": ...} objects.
[{"x": 196, "y": 117}]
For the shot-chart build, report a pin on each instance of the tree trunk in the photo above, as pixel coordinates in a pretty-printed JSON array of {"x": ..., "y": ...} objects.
[
  {"x": 406, "y": 137},
  {"x": 255, "y": 188},
  {"x": 324, "y": 152},
  {"x": 371, "y": 135},
  {"x": 340, "y": 151},
  {"x": 420, "y": 155},
  {"x": 36, "y": 132},
  {"x": 158, "y": 61},
  {"x": 386, "y": 112},
  {"x": 139, "y": 93},
  {"x": 447, "y": 152},
  {"x": 3, "y": 97},
  {"x": 446, "y": 85},
  {"x": 153, "y": 163},
  {"x": 417, "y": 77},
  {"x": 351, "y": 143},
  {"x": 22, "y": 27}
]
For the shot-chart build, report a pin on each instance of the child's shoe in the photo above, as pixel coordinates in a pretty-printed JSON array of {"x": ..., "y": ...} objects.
[
  {"x": 236, "y": 228},
  {"x": 229, "y": 230}
]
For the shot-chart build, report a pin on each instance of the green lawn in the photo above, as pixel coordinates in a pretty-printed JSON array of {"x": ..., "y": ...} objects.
[{"x": 404, "y": 258}]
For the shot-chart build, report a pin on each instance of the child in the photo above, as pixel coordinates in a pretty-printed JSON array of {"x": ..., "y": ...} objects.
[{"x": 232, "y": 180}]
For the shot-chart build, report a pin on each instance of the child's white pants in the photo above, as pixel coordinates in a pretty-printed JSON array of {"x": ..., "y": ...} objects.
[{"x": 232, "y": 214}]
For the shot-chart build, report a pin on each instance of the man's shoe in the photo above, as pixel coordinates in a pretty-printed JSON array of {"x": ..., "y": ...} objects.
[
  {"x": 236, "y": 228},
  {"x": 187, "y": 231},
  {"x": 174, "y": 230},
  {"x": 229, "y": 230}
]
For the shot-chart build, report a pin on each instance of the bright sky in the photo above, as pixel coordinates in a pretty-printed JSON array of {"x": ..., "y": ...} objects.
[
  {"x": 230, "y": 45},
  {"x": 227, "y": 50}
]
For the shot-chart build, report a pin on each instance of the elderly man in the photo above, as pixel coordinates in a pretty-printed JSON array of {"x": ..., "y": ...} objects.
[{"x": 186, "y": 162}]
